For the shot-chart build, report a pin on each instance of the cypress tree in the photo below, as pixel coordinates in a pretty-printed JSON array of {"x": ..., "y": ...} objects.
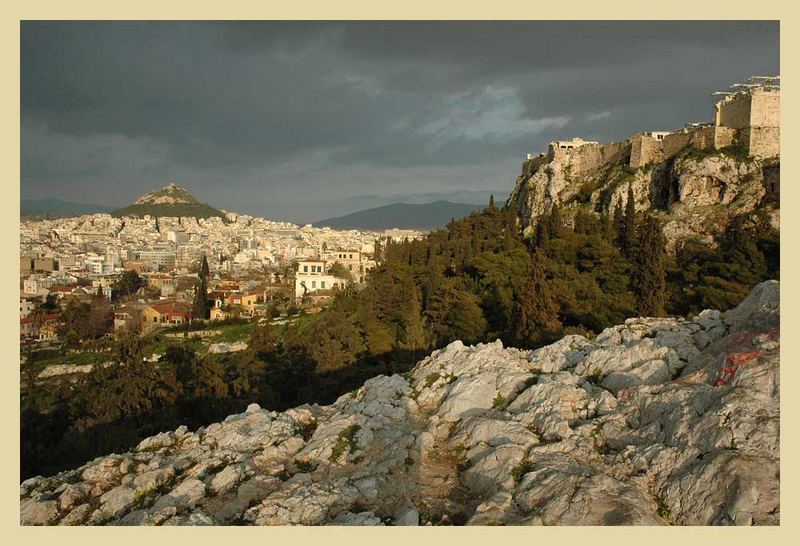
[
  {"x": 200, "y": 308},
  {"x": 650, "y": 275},
  {"x": 619, "y": 224},
  {"x": 536, "y": 310},
  {"x": 555, "y": 225},
  {"x": 491, "y": 201},
  {"x": 204, "y": 268},
  {"x": 629, "y": 228}
]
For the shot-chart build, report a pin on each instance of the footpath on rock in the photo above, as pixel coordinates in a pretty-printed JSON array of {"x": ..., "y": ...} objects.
[{"x": 653, "y": 422}]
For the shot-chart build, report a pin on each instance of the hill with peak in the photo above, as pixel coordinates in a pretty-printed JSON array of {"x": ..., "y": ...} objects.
[
  {"x": 657, "y": 421},
  {"x": 402, "y": 216},
  {"x": 172, "y": 201}
]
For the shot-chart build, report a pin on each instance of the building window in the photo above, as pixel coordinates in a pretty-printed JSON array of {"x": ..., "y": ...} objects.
[
  {"x": 322, "y": 284},
  {"x": 313, "y": 284},
  {"x": 305, "y": 269}
]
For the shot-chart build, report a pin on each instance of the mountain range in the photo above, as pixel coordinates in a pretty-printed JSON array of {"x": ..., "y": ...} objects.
[
  {"x": 54, "y": 208},
  {"x": 402, "y": 216}
]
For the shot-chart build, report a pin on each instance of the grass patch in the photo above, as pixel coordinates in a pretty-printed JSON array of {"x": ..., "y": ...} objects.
[
  {"x": 663, "y": 510},
  {"x": 345, "y": 441},
  {"x": 75, "y": 359},
  {"x": 499, "y": 401},
  {"x": 431, "y": 379},
  {"x": 595, "y": 376},
  {"x": 232, "y": 333}
]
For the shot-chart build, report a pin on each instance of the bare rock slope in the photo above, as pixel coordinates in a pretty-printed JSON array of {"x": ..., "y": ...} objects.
[{"x": 654, "y": 422}]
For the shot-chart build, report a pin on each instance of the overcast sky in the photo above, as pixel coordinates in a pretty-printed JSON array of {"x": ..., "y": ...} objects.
[{"x": 308, "y": 120}]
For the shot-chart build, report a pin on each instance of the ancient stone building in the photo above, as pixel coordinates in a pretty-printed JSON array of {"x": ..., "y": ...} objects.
[
  {"x": 754, "y": 110},
  {"x": 748, "y": 116}
]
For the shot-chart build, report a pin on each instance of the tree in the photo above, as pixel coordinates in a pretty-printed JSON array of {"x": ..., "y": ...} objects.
[
  {"x": 629, "y": 226},
  {"x": 50, "y": 305},
  {"x": 650, "y": 274},
  {"x": 338, "y": 270},
  {"x": 619, "y": 224},
  {"x": 204, "y": 268},
  {"x": 262, "y": 340},
  {"x": 87, "y": 320},
  {"x": 334, "y": 341},
  {"x": 537, "y": 312},
  {"x": 39, "y": 316},
  {"x": 198, "y": 377},
  {"x": 200, "y": 308},
  {"x": 491, "y": 202},
  {"x": 128, "y": 283}
]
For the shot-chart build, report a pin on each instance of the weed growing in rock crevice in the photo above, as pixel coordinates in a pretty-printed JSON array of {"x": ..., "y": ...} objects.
[{"x": 345, "y": 440}]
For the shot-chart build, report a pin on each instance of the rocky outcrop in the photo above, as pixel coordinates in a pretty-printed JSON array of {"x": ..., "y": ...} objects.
[
  {"x": 653, "y": 422},
  {"x": 169, "y": 194},
  {"x": 696, "y": 193}
]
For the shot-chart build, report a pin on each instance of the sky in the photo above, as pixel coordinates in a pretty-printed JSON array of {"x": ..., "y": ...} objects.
[{"x": 307, "y": 120}]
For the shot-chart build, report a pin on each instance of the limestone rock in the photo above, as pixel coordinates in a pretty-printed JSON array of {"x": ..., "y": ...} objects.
[{"x": 653, "y": 422}]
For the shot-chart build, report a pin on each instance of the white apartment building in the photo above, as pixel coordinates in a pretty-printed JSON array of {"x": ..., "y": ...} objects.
[
  {"x": 96, "y": 265},
  {"x": 25, "y": 307},
  {"x": 311, "y": 276},
  {"x": 177, "y": 236},
  {"x": 163, "y": 258}
]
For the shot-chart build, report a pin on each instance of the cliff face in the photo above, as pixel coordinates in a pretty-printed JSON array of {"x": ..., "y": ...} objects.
[
  {"x": 656, "y": 421},
  {"x": 695, "y": 193}
]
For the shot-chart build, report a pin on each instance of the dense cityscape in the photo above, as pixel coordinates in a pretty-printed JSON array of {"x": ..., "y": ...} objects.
[{"x": 258, "y": 268}]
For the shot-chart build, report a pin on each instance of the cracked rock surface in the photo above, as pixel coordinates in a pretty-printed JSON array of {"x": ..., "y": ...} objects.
[{"x": 653, "y": 422}]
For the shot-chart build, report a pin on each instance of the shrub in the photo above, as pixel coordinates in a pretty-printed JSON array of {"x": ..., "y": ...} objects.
[
  {"x": 306, "y": 430},
  {"x": 519, "y": 471}
]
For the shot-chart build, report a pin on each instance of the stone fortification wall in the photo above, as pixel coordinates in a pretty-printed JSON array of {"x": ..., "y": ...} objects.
[
  {"x": 765, "y": 109},
  {"x": 702, "y": 139},
  {"x": 734, "y": 112},
  {"x": 530, "y": 166},
  {"x": 758, "y": 108},
  {"x": 589, "y": 159},
  {"x": 725, "y": 136},
  {"x": 762, "y": 141},
  {"x": 645, "y": 149}
]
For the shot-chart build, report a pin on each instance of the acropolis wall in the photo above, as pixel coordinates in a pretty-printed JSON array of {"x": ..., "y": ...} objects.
[{"x": 588, "y": 159}]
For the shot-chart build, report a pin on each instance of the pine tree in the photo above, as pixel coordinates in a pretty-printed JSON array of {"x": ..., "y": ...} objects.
[{"x": 650, "y": 276}]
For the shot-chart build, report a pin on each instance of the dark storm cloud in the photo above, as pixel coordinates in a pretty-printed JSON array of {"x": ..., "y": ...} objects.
[{"x": 298, "y": 119}]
